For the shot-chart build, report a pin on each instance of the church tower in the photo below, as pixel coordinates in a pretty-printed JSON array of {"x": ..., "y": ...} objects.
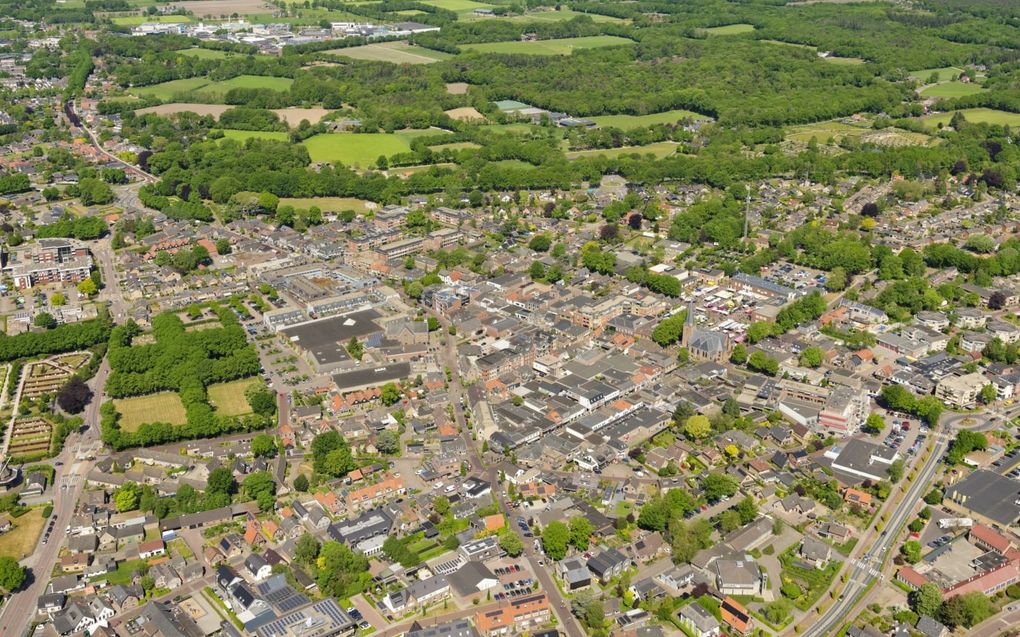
[{"x": 688, "y": 332}]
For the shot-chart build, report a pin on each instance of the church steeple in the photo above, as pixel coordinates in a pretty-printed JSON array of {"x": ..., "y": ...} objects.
[{"x": 688, "y": 331}]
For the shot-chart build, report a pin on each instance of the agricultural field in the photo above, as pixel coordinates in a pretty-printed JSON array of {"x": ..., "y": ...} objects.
[
  {"x": 20, "y": 541},
  {"x": 457, "y": 6},
  {"x": 636, "y": 121},
  {"x": 562, "y": 46},
  {"x": 564, "y": 14},
  {"x": 730, "y": 29},
  {"x": 167, "y": 90},
  {"x": 952, "y": 89},
  {"x": 224, "y": 8},
  {"x": 457, "y": 88},
  {"x": 835, "y": 59},
  {"x": 292, "y": 116},
  {"x": 659, "y": 149},
  {"x": 465, "y": 114},
  {"x": 330, "y": 204},
  {"x": 975, "y": 116},
  {"x": 135, "y": 20},
  {"x": 242, "y": 135},
  {"x": 228, "y": 399},
  {"x": 163, "y": 407},
  {"x": 362, "y": 149},
  {"x": 395, "y": 52}
]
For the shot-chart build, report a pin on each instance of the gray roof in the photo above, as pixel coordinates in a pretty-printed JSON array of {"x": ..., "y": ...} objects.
[
  {"x": 467, "y": 579},
  {"x": 456, "y": 628},
  {"x": 700, "y": 617},
  {"x": 988, "y": 494}
]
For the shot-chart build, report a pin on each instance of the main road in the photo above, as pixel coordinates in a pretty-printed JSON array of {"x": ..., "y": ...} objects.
[
  {"x": 864, "y": 570},
  {"x": 68, "y": 483},
  {"x": 448, "y": 355}
]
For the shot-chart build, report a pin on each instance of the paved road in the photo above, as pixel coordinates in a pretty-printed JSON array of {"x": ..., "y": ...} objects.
[
  {"x": 20, "y": 609},
  {"x": 95, "y": 142},
  {"x": 561, "y": 608},
  {"x": 862, "y": 571},
  {"x": 103, "y": 251}
]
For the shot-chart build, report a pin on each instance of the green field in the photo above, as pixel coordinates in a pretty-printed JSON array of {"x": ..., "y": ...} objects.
[
  {"x": 945, "y": 74},
  {"x": 167, "y": 90},
  {"x": 135, "y": 20},
  {"x": 205, "y": 54},
  {"x": 20, "y": 541},
  {"x": 396, "y": 52},
  {"x": 454, "y": 146},
  {"x": 242, "y": 135},
  {"x": 837, "y": 130},
  {"x": 952, "y": 89},
  {"x": 228, "y": 399},
  {"x": 976, "y": 116},
  {"x": 161, "y": 407},
  {"x": 327, "y": 204},
  {"x": 659, "y": 149},
  {"x": 362, "y": 149},
  {"x": 563, "y": 46},
  {"x": 201, "y": 85},
  {"x": 807, "y": 47},
  {"x": 550, "y": 15},
  {"x": 458, "y": 6},
  {"x": 731, "y": 29},
  {"x": 636, "y": 121}
]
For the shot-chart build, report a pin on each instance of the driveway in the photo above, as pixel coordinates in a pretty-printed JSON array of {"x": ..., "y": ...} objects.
[{"x": 367, "y": 611}]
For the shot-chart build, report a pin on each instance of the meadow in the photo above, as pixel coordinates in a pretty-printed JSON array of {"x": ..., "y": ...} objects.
[
  {"x": 202, "y": 86},
  {"x": 636, "y": 121},
  {"x": 228, "y": 399},
  {"x": 135, "y": 20},
  {"x": 161, "y": 407},
  {"x": 944, "y": 74},
  {"x": 952, "y": 89},
  {"x": 362, "y": 149},
  {"x": 395, "y": 52},
  {"x": 329, "y": 204},
  {"x": 975, "y": 116},
  {"x": 730, "y": 29},
  {"x": 242, "y": 135},
  {"x": 20, "y": 541},
  {"x": 659, "y": 149},
  {"x": 562, "y": 46}
]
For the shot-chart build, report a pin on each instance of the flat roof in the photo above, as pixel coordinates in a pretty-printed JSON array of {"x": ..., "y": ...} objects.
[
  {"x": 326, "y": 339},
  {"x": 358, "y": 378}
]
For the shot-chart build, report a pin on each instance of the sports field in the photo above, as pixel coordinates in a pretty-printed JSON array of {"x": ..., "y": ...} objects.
[
  {"x": 20, "y": 541},
  {"x": 952, "y": 89},
  {"x": 362, "y": 149},
  {"x": 242, "y": 135},
  {"x": 396, "y": 52},
  {"x": 976, "y": 116},
  {"x": 329, "y": 204},
  {"x": 562, "y": 46},
  {"x": 635, "y": 121},
  {"x": 659, "y": 149},
  {"x": 228, "y": 399},
  {"x": 201, "y": 85},
  {"x": 730, "y": 29},
  {"x": 162, "y": 407}
]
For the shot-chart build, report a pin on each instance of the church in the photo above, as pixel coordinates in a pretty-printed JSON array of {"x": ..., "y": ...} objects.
[{"x": 704, "y": 345}]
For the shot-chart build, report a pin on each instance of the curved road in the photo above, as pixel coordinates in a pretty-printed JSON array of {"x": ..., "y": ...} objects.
[
  {"x": 73, "y": 108},
  {"x": 863, "y": 570}
]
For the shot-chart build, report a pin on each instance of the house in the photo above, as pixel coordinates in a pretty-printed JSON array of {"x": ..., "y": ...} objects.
[
  {"x": 736, "y": 616},
  {"x": 50, "y": 604},
  {"x": 698, "y": 621},
  {"x": 123, "y": 598},
  {"x": 258, "y": 567},
  {"x": 5, "y": 523},
  {"x": 517, "y": 615},
  {"x": 151, "y": 548},
  {"x": 739, "y": 577},
  {"x": 930, "y": 627},
  {"x": 814, "y": 552},
  {"x": 574, "y": 573},
  {"x": 164, "y": 576},
  {"x": 607, "y": 564}
]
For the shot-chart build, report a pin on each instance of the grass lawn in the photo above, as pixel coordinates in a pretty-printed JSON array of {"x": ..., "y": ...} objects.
[
  {"x": 822, "y": 131},
  {"x": 636, "y": 121},
  {"x": 562, "y": 46},
  {"x": 327, "y": 204},
  {"x": 565, "y": 14},
  {"x": 952, "y": 89},
  {"x": 20, "y": 541},
  {"x": 205, "y": 54},
  {"x": 360, "y": 148},
  {"x": 731, "y": 29},
  {"x": 659, "y": 149},
  {"x": 813, "y": 582},
  {"x": 162, "y": 407},
  {"x": 167, "y": 90},
  {"x": 135, "y": 20},
  {"x": 976, "y": 116},
  {"x": 228, "y": 398},
  {"x": 944, "y": 74},
  {"x": 396, "y": 52},
  {"x": 242, "y": 135},
  {"x": 124, "y": 573}
]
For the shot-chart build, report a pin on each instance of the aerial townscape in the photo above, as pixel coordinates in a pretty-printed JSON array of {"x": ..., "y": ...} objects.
[{"x": 509, "y": 318}]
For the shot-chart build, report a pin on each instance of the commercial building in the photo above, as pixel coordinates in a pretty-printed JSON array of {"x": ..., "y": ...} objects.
[
  {"x": 961, "y": 391},
  {"x": 322, "y": 619}
]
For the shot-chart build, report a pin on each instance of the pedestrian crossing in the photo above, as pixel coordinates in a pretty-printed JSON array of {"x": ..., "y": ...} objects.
[{"x": 867, "y": 567}]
